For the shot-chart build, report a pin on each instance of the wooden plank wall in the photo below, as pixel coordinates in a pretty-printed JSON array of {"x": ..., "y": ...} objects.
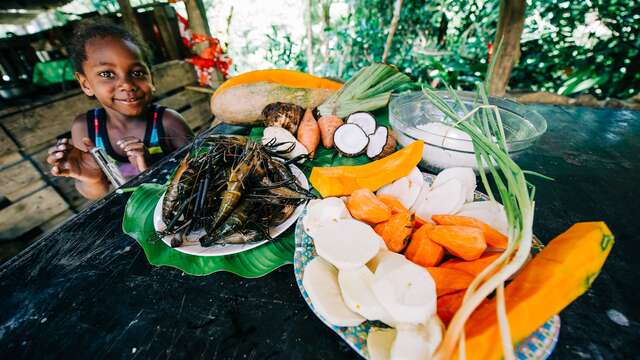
[{"x": 29, "y": 196}]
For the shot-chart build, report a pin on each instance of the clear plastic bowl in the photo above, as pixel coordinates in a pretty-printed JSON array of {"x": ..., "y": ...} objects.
[{"x": 413, "y": 117}]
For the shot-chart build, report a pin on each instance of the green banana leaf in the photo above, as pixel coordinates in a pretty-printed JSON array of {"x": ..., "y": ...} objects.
[{"x": 257, "y": 262}]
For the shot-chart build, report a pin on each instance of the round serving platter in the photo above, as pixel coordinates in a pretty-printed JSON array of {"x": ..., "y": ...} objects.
[
  {"x": 192, "y": 245},
  {"x": 538, "y": 345}
]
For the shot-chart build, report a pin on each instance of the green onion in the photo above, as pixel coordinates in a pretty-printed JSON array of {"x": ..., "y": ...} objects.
[
  {"x": 369, "y": 89},
  {"x": 484, "y": 125}
]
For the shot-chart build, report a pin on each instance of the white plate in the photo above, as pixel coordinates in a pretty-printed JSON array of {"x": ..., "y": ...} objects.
[{"x": 192, "y": 245}]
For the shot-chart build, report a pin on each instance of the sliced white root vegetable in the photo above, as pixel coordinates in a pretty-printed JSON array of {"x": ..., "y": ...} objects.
[
  {"x": 389, "y": 262},
  {"x": 406, "y": 189},
  {"x": 323, "y": 212},
  {"x": 273, "y": 134},
  {"x": 350, "y": 140},
  {"x": 320, "y": 280},
  {"x": 379, "y": 342},
  {"x": 357, "y": 294},
  {"x": 377, "y": 142},
  {"x": 407, "y": 292},
  {"x": 447, "y": 198},
  {"x": 347, "y": 243},
  {"x": 464, "y": 174},
  {"x": 416, "y": 342},
  {"x": 489, "y": 212},
  {"x": 365, "y": 120}
]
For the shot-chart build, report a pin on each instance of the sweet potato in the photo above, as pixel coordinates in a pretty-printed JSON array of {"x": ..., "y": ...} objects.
[
  {"x": 462, "y": 241},
  {"x": 328, "y": 125},
  {"x": 309, "y": 132},
  {"x": 493, "y": 237},
  {"x": 449, "y": 280},
  {"x": 448, "y": 305},
  {"x": 364, "y": 205},
  {"x": 396, "y": 231},
  {"x": 422, "y": 250},
  {"x": 473, "y": 267},
  {"x": 394, "y": 204}
]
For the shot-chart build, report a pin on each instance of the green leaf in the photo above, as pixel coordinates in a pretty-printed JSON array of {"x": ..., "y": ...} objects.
[{"x": 259, "y": 261}]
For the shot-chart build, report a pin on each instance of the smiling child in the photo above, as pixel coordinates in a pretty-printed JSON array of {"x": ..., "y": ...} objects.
[{"x": 110, "y": 66}]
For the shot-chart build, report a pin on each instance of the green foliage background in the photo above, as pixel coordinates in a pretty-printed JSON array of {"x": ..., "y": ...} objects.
[{"x": 447, "y": 41}]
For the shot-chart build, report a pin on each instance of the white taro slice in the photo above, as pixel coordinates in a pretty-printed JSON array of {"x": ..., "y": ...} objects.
[
  {"x": 464, "y": 174},
  {"x": 377, "y": 142},
  {"x": 347, "y": 243},
  {"x": 350, "y": 140},
  {"x": 320, "y": 280},
  {"x": 407, "y": 292},
  {"x": 379, "y": 343},
  {"x": 357, "y": 294},
  {"x": 321, "y": 212},
  {"x": 406, "y": 189},
  {"x": 445, "y": 199},
  {"x": 365, "y": 120}
]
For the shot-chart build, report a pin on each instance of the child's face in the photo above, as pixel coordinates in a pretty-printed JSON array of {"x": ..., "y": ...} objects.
[{"x": 116, "y": 75}]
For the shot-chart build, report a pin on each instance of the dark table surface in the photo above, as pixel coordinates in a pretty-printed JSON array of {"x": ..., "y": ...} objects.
[{"x": 86, "y": 290}]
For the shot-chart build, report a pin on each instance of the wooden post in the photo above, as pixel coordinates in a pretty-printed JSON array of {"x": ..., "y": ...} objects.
[
  {"x": 197, "y": 21},
  {"x": 392, "y": 30},
  {"x": 160, "y": 13},
  {"x": 130, "y": 19},
  {"x": 307, "y": 20},
  {"x": 507, "y": 43}
]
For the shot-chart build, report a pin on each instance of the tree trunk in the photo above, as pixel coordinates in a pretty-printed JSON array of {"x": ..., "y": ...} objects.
[
  {"x": 197, "y": 21},
  {"x": 507, "y": 43},
  {"x": 130, "y": 19},
  {"x": 307, "y": 20},
  {"x": 392, "y": 30}
]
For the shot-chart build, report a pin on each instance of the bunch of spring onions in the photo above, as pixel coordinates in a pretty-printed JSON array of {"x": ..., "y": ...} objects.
[
  {"x": 484, "y": 126},
  {"x": 369, "y": 89}
]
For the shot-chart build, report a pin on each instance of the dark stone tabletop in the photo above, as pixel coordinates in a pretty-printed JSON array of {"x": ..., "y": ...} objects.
[{"x": 86, "y": 290}]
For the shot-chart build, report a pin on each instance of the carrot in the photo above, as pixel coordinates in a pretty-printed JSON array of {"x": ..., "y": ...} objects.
[
  {"x": 309, "y": 132},
  {"x": 328, "y": 124},
  {"x": 422, "y": 250},
  {"x": 448, "y": 305},
  {"x": 396, "y": 231},
  {"x": 449, "y": 280},
  {"x": 420, "y": 221},
  {"x": 494, "y": 238},
  {"x": 472, "y": 267},
  {"x": 393, "y": 203},
  {"x": 462, "y": 241},
  {"x": 364, "y": 205}
]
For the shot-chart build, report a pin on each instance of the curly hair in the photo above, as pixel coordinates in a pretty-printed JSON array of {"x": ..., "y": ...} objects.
[{"x": 87, "y": 30}]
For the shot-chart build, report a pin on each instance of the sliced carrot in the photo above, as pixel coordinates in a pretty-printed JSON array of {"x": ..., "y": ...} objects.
[
  {"x": 364, "y": 205},
  {"x": 449, "y": 280},
  {"x": 394, "y": 204},
  {"x": 396, "y": 231},
  {"x": 493, "y": 237},
  {"x": 422, "y": 250},
  {"x": 472, "y": 267},
  {"x": 462, "y": 241},
  {"x": 420, "y": 221},
  {"x": 448, "y": 305}
]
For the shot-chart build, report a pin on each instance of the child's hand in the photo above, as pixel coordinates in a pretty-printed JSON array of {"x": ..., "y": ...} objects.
[
  {"x": 68, "y": 160},
  {"x": 135, "y": 150}
]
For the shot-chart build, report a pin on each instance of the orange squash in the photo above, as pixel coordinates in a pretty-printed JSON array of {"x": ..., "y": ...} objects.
[
  {"x": 449, "y": 280},
  {"x": 473, "y": 267},
  {"x": 288, "y": 78},
  {"x": 343, "y": 180},
  {"x": 493, "y": 237},
  {"x": 422, "y": 250},
  {"x": 561, "y": 272},
  {"x": 365, "y": 206},
  {"x": 396, "y": 231}
]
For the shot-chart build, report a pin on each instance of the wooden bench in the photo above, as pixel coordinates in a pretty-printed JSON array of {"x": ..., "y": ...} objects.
[{"x": 30, "y": 197}]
